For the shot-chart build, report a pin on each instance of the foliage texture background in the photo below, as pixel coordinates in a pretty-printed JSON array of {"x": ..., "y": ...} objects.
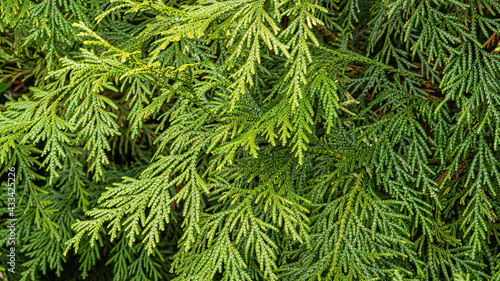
[{"x": 252, "y": 139}]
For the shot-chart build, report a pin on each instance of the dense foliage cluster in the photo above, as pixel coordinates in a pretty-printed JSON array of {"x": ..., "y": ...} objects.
[{"x": 251, "y": 139}]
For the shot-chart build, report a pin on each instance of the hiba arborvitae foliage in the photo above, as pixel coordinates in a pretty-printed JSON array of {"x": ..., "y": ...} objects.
[{"x": 251, "y": 139}]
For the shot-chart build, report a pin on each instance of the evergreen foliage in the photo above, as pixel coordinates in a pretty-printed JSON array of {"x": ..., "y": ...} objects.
[{"x": 251, "y": 139}]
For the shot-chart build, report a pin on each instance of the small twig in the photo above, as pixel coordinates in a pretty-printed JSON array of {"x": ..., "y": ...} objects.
[
  {"x": 332, "y": 36},
  {"x": 492, "y": 41}
]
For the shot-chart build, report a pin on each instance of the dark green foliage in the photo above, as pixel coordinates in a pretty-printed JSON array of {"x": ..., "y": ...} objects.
[{"x": 252, "y": 140}]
